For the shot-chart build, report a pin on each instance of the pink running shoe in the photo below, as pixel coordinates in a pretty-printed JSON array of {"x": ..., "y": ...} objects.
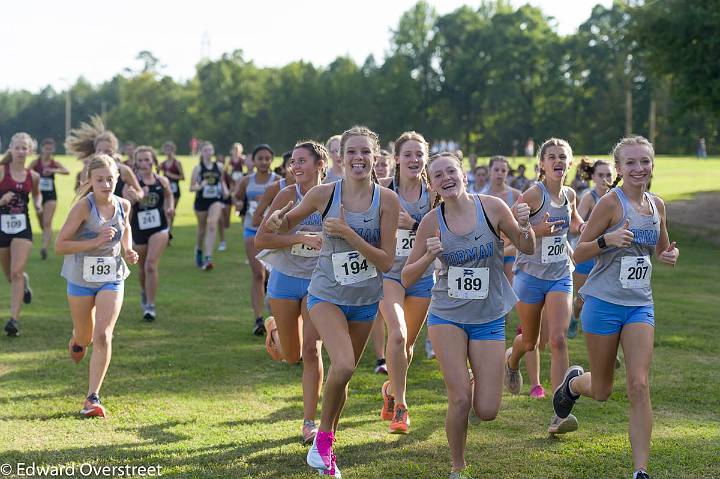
[
  {"x": 320, "y": 455},
  {"x": 537, "y": 392}
]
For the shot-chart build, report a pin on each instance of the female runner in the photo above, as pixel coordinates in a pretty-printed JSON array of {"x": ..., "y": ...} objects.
[
  {"x": 47, "y": 167},
  {"x": 149, "y": 222},
  {"x": 95, "y": 232},
  {"x": 17, "y": 183},
  {"x": 360, "y": 223},
  {"x": 625, "y": 228},
  {"x": 472, "y": 294}
]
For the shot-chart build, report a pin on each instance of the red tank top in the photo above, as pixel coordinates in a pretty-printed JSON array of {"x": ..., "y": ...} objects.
[
  {"x": 40, "y": 168},
  {"x": 22, "y": 190},
  {"x": 170, "y": 167}
]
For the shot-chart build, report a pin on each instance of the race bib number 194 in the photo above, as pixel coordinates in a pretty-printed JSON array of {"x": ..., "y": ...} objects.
[{"x": 352, "y": 267}]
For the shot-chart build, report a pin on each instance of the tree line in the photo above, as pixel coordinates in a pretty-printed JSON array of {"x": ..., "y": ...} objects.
[{"x": 487, "y": 77}]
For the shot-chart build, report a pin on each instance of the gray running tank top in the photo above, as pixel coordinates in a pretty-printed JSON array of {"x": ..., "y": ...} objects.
[
  {"x": 604, "y": 281},
  {"x": 296, "y": 264},
  {"x": 416, "y": 209},
  {"x": 72, "y": 269},
  {"x": 253, "y": 193},
  {"x": 324, "y": 283},
  {"x": 481, "y": 248},
  {"x": 550, "y": 259}
]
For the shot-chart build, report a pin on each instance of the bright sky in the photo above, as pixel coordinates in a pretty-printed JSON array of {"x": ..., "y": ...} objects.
[{"x": 54, "y": 42}]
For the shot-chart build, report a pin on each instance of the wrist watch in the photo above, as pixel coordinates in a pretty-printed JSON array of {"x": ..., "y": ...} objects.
[{"x": 601, "y": 242}]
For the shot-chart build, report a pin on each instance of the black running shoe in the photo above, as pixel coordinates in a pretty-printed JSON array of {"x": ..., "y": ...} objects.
[
  {"x": 27, "y": 290},
  {"x": 11, "y": 328},
  {"x": 563, "y": 399},
  {"x": 43, "y": 254},
  {"x": 149, "y": 313},
  {"x": 259, "y": 328},
  {"x": 641, "y": 475}
]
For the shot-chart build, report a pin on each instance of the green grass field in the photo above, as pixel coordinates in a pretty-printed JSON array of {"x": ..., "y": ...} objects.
[{"x": 195, "y": 392}]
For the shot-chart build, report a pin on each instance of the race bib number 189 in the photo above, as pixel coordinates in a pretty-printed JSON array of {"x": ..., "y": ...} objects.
[
  {"x": 468, "y": 283},
  {"x": 352, "y": 267},
  {"x": 99, "y": 269},
  {"x": 553, "y": 249},
  {"x": 635, "y": 272}
]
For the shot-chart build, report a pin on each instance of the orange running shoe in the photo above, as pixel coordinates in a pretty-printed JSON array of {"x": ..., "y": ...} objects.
[
  {"x": 76, "y": 352},
  {"x": 92, "y": 407},
  {"x": 388, "y": 410},
  {"x": 270, "y": 345},
  {"x": 400, "y": 421}
]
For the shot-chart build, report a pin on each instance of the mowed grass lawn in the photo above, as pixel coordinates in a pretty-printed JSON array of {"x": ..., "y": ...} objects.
[{"x": 196, "y": 393}]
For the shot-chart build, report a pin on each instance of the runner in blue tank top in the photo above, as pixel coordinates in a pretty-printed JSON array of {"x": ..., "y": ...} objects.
[
  {"x": 93, "y": 239},
  {"x": 247, "y": 195},
  {"x": 359, "y": 229},
  {"x": 543, "y": 279},
  {"x": 472, "y": 294},
  {"x": 293, "y": 256},
  {"x": 404, "y": 310},
  {"x": 600, "y": 173},
  {"x": 625, "y": 228}
]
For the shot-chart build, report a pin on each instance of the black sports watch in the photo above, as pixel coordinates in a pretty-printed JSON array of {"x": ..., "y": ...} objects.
[
  {"x": 601, "y": 242},
  {"x": 415, "y": 226}
]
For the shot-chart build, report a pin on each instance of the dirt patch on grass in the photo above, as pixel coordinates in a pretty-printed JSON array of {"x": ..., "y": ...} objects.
[{"x": 701, "y": 214}]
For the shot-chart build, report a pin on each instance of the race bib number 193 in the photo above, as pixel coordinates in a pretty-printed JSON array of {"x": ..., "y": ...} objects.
[
  {"x": 99, "y": 269},
  {"x": 352, "y": 267}
]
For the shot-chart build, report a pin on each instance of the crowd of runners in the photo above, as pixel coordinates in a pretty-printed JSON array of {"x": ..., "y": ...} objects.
[{"x": 347, "y": 241}]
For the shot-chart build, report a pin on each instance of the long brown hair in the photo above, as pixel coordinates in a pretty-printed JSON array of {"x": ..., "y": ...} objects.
[
  {"x": 7, "y": 158},
  {"x": 318, "y": 151},
  {"x": 547, "y": 144},
  {"x": 437, "y": 156},
  {"x": 95, "y": 163},
  {"x": 82, "y": 141},
  {"x": 401, "y": 140}
]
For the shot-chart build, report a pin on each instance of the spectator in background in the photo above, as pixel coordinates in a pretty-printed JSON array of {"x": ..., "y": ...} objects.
[
  {"x": 520, "y": 182},
  {"x": 515, "y": 145},
  {"x": 701, "y": 148},
  {"x": 194, "y": 142},
  {"x": 530, "y": 147}
]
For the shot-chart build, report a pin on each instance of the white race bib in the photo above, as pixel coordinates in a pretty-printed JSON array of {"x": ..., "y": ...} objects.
[
  {"x": 553, "y": 249},
  {"x": 301, "y": 249},
  {"x": 13, "y": 224},
  {"x": 236, "y": 176},
  {"x": 352, "y": 267},
  {"x": 149, "y": 219},
  {"x": 252, "y": 206},
  {"x": 468, "y": 283},
  {"x": 174, "y": 187},
  {"x": 635, "y": 272},
  {"x": 99, "y": 269},
  {"x": 211, "y": 191},
  {"x": 405, "y": 242},
  {"x": 46, "y": 184}
]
